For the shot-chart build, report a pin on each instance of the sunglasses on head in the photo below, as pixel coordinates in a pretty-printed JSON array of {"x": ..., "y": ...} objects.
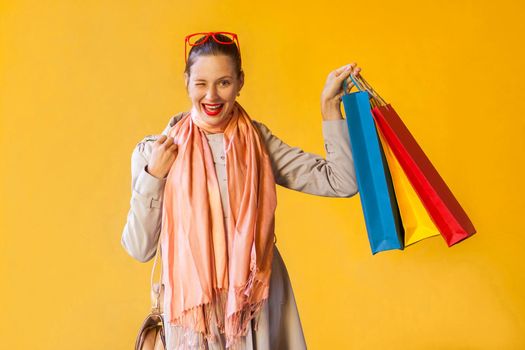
[{"x": 200, "y": 38}]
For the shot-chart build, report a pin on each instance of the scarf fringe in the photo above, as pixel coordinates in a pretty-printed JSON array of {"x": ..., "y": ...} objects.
[
  {"x": 192, "y": 319},
  {"x": 237, "y": 323},
  {"x": 212, "y": 313}
]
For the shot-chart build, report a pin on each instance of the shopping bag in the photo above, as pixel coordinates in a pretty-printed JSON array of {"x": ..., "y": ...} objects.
[
  {"x": 417, "y": 223},
  {"x": 382, "y": 219},
  {"x": 444, "y": 209}
]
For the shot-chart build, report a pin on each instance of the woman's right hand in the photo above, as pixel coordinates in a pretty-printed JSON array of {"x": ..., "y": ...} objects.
[{"x": 163, "y": 154}]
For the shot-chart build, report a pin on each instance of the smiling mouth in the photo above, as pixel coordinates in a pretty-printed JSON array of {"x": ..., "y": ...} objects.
[{"x": 212, "y": 109}]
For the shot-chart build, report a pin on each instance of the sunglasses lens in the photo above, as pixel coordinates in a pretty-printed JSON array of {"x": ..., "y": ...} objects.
[
  {"x": 223, "y": 38},
  {"x": 196, "y": 39}
]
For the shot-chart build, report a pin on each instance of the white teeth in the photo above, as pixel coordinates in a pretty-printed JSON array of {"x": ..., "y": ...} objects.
[{"x": 212, "y": 108}]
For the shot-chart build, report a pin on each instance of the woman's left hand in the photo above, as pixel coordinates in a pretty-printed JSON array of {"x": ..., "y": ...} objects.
[{"x": 333, "y": 91}]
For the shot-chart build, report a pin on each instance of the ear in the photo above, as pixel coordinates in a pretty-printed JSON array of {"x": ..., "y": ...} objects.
[
  {"x": 241, "y": 79},
  {"x": 186, "y": 81}
]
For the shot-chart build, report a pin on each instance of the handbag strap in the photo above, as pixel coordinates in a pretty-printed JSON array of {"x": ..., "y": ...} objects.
[{"x": 156, "y": 305}]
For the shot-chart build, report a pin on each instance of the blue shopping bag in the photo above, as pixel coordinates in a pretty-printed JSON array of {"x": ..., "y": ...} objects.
[{"x": 382, "y": 218}]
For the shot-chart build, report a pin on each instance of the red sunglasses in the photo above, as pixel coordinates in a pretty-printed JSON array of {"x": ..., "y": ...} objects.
[{"x": 195, "y": 40}]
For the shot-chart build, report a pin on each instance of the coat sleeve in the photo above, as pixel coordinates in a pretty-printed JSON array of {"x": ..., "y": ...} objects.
[
  {"x": 310, "y": 173},
  {"x": 142, "y": 229}
]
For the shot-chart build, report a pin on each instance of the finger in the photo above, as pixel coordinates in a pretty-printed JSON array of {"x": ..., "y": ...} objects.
[
  {"x": 345, "y": 68},
  {"x": 161, "y": 139},
  {"x": 355, "y": 72},
  {"x": 345, "y": 74},
  {"x": 168, "y": 142},
  {"x": 342, "y": 70},
  {"x": 349, "y": 87},
  {"x": 349, "y": 81}
]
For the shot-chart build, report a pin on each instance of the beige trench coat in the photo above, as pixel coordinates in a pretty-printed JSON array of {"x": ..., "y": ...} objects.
[{"x": 279, "y": 324}]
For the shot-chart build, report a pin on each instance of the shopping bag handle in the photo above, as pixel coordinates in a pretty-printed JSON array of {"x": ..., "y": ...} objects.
[
  {"x": 362, "y": 85},
  {"x": 345, "y": 85}
]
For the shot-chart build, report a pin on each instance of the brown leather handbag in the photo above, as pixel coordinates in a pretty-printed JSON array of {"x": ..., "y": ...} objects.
[{"x": 151, "y": 335}]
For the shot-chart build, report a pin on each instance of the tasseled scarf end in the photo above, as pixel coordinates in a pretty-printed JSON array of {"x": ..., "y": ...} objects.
[{"x": 198, "y": 321}]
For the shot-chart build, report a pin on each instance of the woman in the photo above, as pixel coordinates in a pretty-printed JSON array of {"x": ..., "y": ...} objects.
[{"x": 206, "y": 189}]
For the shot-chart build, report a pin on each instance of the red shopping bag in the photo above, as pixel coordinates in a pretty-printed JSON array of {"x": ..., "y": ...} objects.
[{"x": 444, "y": 209}]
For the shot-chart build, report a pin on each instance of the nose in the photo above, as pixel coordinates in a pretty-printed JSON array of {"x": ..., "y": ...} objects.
[{"x": 211, "y": 94}]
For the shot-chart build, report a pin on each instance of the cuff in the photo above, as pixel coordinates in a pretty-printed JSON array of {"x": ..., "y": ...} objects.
[{"x": 149, "y": 185}]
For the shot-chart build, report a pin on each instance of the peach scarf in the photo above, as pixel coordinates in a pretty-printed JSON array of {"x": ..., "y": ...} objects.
[{"x": 211, "y": 276}]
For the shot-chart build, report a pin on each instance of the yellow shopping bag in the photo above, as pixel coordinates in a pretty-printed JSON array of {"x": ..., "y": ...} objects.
[{"x": 416, "y": 221}]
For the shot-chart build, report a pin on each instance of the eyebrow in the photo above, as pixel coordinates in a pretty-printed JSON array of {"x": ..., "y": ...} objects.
[{"x": 225, "y": 76}]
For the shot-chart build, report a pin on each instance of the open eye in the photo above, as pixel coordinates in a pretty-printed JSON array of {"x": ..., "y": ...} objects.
[{"x": 225, "y": 82}]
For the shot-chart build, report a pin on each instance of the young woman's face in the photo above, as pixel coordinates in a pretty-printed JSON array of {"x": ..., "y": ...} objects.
[{"x": 213, "y": 87}]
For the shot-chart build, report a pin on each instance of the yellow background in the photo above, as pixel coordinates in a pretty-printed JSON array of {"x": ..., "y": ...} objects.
[{"x": 83, "y": 81}]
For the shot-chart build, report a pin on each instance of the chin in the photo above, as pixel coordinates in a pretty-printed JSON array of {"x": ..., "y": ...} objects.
[{"x": 218, "y": 118}]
